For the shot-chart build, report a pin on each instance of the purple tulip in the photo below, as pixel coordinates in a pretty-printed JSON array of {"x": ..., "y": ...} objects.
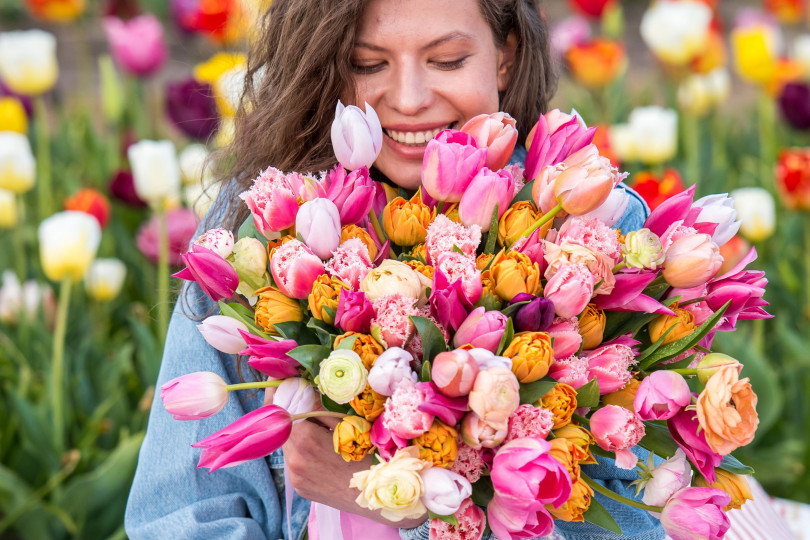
[
  {"x": 122, "y": 187},
  {"x": 270, "y": 357},
  {"x": 318, "y": 224},
  {"x": 354, "y": 312},
  {"x": 483, "y": 329},
  {"x": 536, "y": 316},
  {"x": 211, "y": 272},
  {"x": 353, "y": 194},
  {"x": 795, "y": 105},
  {"x": 448, "y": 410},
  {"x": 356, "y": 136},
  {"x": 26, "y": 101},
  {"x": 137, "y": 45},
  {"x": 487, "y": 189},
  {"x": 451, "y": 162},
  {"x": 191, "y": 107}
]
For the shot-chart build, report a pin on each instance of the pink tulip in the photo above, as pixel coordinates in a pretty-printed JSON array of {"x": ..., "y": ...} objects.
[
  {"x": 448, "y": 410},
  {"x": 509, "y": 522},
  {"x": 450, "y": 305},
  {"x": 667, "y": 478},
  {"x": 497, "y": 133},
  {"x": 353, "y": 194},
  {"x": 386, "y": 442},
  {"x": 586, "y": 183},
  {"x": 137, "y": 45},
  {"x": 222, "y": 333},
  {"x": 257, "y": 434},
  {"x": 495, "y": 396},
  {"x": 296, "y": 396},
  {"x": 676, "y": 208},
  {"x": 685, "y": 430},
  {"x": 471, "y": 524},
  {"x": 306, "y": 188},
  {"x": 272, "y": 202},
  {"x": 390, "y": 369},
  {"x": 695, "y": 512},
  {"x": 570, "y": 32},
  {"x": 627, "y": 295},
  {"x": 478, "y": 434},
  {"x": 611, "y": 364},
  {"x": 565, "y": 334},
  {"x": 270, "y": 357},
  {"x": 612, "y": 210},
  {"x": 555, "y": 137},
  {"x": 454, "y": 372},
  {"x": 570, "y": 289},
  {"x": 181, "y": 224},
  {"x": 691, "y": 261},
  {"x": 452, "y": 266},
  {"x": 482, "y": 329},
  {"x": 526, "y": 476},
  {"x": 194, "y": 396},
  {"x": 486, "y": 359},
  {"x": 616, "y": 430},
  {"x": 744, "y": 288},
  {"x": 487, "y": 189},
  {"x": 295, "y": 268},
  {"x": 450, "y": 163},
  {"x": 219, "y": 240},
  {"x": 210, "y": 271},
  {"x": 444, "y": 490},
  {"x": 354, "y": 312},
  {"x": 318, "y": 224},
  {"x": 661, "y": 395},
  {"x": 572, "y": 371},
  {"x": 356, "y": 136}
]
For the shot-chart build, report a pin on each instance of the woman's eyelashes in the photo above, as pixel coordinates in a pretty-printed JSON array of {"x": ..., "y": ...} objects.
[{"x": 369, "y": 69}]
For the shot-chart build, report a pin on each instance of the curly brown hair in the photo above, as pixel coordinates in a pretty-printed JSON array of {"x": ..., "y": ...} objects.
[{"x": 301, "y": 66}]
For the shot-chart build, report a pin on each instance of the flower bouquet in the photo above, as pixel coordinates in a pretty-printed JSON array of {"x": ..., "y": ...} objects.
[{"x": 483, "y": 338}]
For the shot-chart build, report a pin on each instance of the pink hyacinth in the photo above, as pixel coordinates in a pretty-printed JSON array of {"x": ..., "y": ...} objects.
[
  {"x": 272, "y": 202},
  {"x": 385, "y": 441},
  {"x": 454, "y": 372},
  {"x": 390, "y": 370},
  {"x": 555, "y": 137},
  {"x": 611, "y": 364},
  {"x": 685, "y": 430},
  {"x": 661, "y": 395},
  {"x": 295, "y": 268},
  {"x": 570, "y": 289},
  {"x": 352, "y": 193},
  {"x": 257, "y": 434},
  {"x": 592, "y": 234},
  {"x": 350, "y": 262},
  {"x": 194, "y": 396},
  {"x": 270, "y": 357},
  {"x": 564, "y": 331},
  {"x": 497, "y": 133},
  {"x": 317, "y": 224},
  {"x": 211, "y": 272},
  {"x": 138, "y": 44},
  {"x": 511, "y": 522},
  {"x": 471, "y": 524},
  {"x": 443, "y": 234},
  {"x": 617, "y": 430},
  {"x": 469, "y": 461},
  {"x": 392, "y": 322},
  {"x": 451, "y": 161},
  {"x": 482, "y": 329},
  {"x": 572, "y": 371},
  {"x": 448, "y": 410},
  {"x": 527, "y": 477},
  {"x": 354, "y": 312},
  {"x": 486, "y": 190},
  {"x": 453, "y": 266},
  {"x": 529, "y": 421},
  {"x": 696, "y": 512},
  {"x": 402, "y": 415}
]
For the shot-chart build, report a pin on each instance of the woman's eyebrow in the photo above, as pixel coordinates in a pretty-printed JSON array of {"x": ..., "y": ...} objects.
[{"x": 452, "y": 36}]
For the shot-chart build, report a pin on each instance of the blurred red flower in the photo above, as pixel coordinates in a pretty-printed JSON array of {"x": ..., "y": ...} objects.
[
  {"x": 655, "y": 190},
  {"x": 90, "y": 201},
  {"x": 55, "y": 11},
  {"x": 592, "y": 8},
  {"x": 787, "y": 11},
  {"x": 793, "y": 178}
]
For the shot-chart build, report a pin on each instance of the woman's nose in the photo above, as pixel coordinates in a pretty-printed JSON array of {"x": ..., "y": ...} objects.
[{"x": 409, "y": 92}]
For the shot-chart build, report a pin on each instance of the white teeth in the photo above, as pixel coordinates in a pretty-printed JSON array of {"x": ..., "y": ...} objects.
[{"x": 415, "y": 138}]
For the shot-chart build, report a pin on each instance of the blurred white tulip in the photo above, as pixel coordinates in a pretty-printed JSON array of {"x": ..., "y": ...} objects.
[
  {"x": 676, "y": 31},
  {"x": 68, "y": 242},
  {"x": 17, "y": 164},
  {"x": 104, "y": 279},
  {"x": 757, "y": 212},
  {"x": 28, "y": 61},
  {"x": 8, "y": 210},
  {"x": 156, "y": 171}
]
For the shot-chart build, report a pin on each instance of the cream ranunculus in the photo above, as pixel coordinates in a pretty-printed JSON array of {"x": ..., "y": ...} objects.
[
  {"x": 757, "y": 211},
  {"x": 342, "y": 376},
  {"x": 68, "y": 242},
  {"x": 28, "y": 61},
  {"x": 395, "y": 277},
  {"x": 104, "y": 279},
  {"x": 17, "y": 164},
  {"x": 395, "y": 487},
  {"x": 676, "y": 31},
  {"x": 8, "y": 210},
  {"x": 156, "y": 171}
]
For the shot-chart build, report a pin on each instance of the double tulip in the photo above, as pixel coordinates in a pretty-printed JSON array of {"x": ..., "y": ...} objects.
[
  {"x": 137, "y": 45},
  {"x": 68, "y": 242},
  {"x": 28, "y": 61},
  {"x": 272, "y": 202},
  {"x": 356, "y": 136},
  {"x": 451, "y": 161}
]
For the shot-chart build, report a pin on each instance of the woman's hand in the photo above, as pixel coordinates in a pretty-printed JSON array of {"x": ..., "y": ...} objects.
[{"x": 319, "y": 474}]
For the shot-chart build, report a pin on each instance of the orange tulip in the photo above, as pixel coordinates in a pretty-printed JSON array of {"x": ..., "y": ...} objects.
[
  {"x": 55, "y": 11},
  {"x": 597, "y": 63}
]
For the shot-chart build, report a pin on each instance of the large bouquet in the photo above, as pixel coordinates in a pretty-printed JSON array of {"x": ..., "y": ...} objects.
[{"x": 486, "y": 336}]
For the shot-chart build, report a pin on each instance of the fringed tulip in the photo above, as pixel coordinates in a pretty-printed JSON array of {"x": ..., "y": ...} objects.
[
  {"x": 452, "y": 267},
  {"x": 617, "y": 430},
  {"x": 272, "y": 202},
  {"x": 454, "y": 372},
  {"x": 68, "y": 242},
  {"x": 661, "y": 395},
  {"x": 194, "y": 396},
  {"x": 318, "y": 225},
  {"x": 353, "y": 194},
  {"x": 486, "y": 190},
  {"x": 565, "y": 334},
  {"x": 270, "y": 356},
  {"x": 218, "y": 240},
  {"x": 295, "y": 268},
  {"x": 137, "y": 45},
  {"x": 222, "y": 333},
  {"x": 451, "y": 162},
  {"x": 695, "y": 512},
  {"x": 210, "y": 271},
  {"x": 497, "y": 133},
  {"x": 356, "y": 136},
  {"x": 257, "y": 434},
  {"x": 28, "y": 61},
  {"x": 611, "y": 364},
  {"x": 104, "y": 279},
  {"x": 570, "y": 289}
]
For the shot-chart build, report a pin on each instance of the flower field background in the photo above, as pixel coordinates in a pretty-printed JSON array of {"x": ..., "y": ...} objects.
[{"x": 84, "y": 301}]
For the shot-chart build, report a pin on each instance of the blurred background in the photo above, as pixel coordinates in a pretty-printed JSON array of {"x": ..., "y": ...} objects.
[{"x": 712, "y": 93}]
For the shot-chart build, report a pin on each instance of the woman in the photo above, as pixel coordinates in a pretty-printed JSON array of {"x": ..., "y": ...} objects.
[{"x": 424, "y": 65}]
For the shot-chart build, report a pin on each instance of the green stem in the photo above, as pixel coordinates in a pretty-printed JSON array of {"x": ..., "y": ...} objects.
[
  {"x": 252, "y": 385},
  {"x": 806, "y": 219},
  {"x": 315, "y": 414},
  {"x": 440, "y": 208},
  {"x": 691, "y": 140},
  {"x": 163, "y": 273},
  {"x": 619, "y": 267},
  {"x": 718, "y": 144},
  {"x": 766, "y": 140},
  {"x": 596, "y": 486},
  {"x": 18, "y": 237},
  {"x": 685, "y": 371},
  {"x": 44, "y": 191},
  {"x": 581, "y": 419},
  {"x": 542, "y": 221},
  {"x": 58, "y": 364},
  {"x": 692, "y": 301}
]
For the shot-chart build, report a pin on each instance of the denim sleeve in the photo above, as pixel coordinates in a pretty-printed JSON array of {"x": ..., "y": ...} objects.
[
  {"x": 422, "y": 532},
  {"x": 170, "y": 497},
  {"x": 636, "y": 212}
]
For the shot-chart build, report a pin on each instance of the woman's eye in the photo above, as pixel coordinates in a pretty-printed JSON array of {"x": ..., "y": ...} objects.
[
  {"x": 367, "y": 69},
  {"x": 451, "y": 65}
]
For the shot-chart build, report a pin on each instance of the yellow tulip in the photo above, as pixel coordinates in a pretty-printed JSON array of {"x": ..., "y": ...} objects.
[
  {"x": 12, "y": 115},
  {"x": 754, "y": 54}
]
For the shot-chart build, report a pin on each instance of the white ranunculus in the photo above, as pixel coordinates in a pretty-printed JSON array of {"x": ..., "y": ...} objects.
[
  {"x": 68, "y": 242},
  {"x": 757, "y": 212},
  {"x": 104, "y": 279},
  {"x": 156, "y": 170},
  {"x": 17, "y": 164},
  {"x": 28, "y": 61},
  {"x": 676, "y": 31}
]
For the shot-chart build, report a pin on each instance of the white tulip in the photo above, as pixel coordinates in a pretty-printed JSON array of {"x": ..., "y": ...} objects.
[
  {"x": 701, "y": 92},
  {"x": 104, "y": 279},
  {"x": 612, "y": 209},
  {"x": 10, "y": 298},
  {"x": 8, "y": 210},
  {"x": 28, "y": 61},
  {"x": 650, "y": 136},
  {"x": 156, "y": 171},
  {"x": 676, "y": 31},
  {"x": 17, "y": 164},
  {"x": 665, "y": 479},
  {"x": 192, "y": 165},
  {"x": 757, "y": 211},
  {"x": 623, "y": 142},
  {"x": 801, "y": 51},
  {"x": 68, "y": 242},
  {"x": 719, "y": 208}
]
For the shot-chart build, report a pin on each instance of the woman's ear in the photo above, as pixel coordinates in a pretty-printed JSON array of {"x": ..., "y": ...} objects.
[{"x": 506, "y": 59}]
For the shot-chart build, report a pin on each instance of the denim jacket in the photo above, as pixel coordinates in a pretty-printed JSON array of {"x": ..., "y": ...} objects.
[{"x": 171, "y": 498}]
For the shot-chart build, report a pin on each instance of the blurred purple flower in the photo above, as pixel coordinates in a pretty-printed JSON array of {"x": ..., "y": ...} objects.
[
  {"x": 181, "y": 223},
  {"x": 190, "y": 105},
  {"x": 122, "y": 187},
  {"x": 26, "y": 101},
  {"x": 795, "y": 105}
]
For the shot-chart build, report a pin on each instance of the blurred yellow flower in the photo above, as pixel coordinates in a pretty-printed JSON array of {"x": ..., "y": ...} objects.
[
  {"x": 211, "y": 70},
  {"x": 104, "y": 279},
  {"x": 8, "y": 210},
  {"x": 28, "y": 61},
  {"x": 12, "y": 115},
  {"x": 68, "y": 242},
  {"x": 754, "y": 54},
  {"x": 55, "y": 11}
]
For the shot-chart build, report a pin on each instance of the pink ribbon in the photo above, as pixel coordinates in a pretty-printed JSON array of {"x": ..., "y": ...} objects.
[{"x": 327, "y": 523}]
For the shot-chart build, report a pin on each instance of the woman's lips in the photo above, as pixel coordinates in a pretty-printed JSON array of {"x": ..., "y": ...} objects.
[{"x": 410, "y": 141}]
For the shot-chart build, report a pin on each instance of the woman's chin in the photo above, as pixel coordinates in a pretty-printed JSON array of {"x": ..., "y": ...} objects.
[{"x": 404, "y": 174}]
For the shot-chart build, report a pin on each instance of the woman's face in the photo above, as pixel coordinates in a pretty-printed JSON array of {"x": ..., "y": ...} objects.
[{"x": 425, "y": 66}]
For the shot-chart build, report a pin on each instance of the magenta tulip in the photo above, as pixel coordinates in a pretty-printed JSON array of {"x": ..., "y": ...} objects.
[
  {"x": 356, "y": 136},
  {"x": 181, "y": 224},
  {"x": 448, "y": 410},
  {"x": 695, "y": 512},
  {"x": 353, "y": 194},
  {"x": 627, "y": 295},
  {"x": 318, "y": 225},
  {"x": 685, "y": 430},
  {"x": 555, "y": 137},
  {"x": 354, "y": 312},
  {"x": 450, "y": 163},
  {"x": 482, "y": 329},
  {"x": 450, "y": 305},
  {"x": 137, "y": 45},
  {"x": 272, "y": 202},
  {"x": 661, "y": 395},
  {"x": 497, "y": 133},
  {"x": 486, "y": 190},
  {"x": 194, "y": 396},
  {"x": 527, "y": 477},
  {"x": 570, "y": 289},
  {"x": 257, "y": 434},
  {"x": 744, "y": 289},
  {"x": 386, "y": 442},
  {"x": 454, "y": 372},
  {"x": 210, "y": 271},
  {"x": 617, "y": 430},
  {"x": 295, "y": 268},
  {"x": 222, "y": 333},
  {"x": 270, "y": 357}
]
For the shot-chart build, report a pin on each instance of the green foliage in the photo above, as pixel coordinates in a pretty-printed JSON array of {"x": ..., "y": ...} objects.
[{"x": 432, "y": 339}]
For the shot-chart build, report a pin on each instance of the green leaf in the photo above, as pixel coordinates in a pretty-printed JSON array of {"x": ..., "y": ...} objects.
[
  {"x": 733, "y": 465},
  {"x": 330, "y": 312},
  {"x": 507, "y": 336},
  {"x": 681, "y": 364},
  {"x": 322, "y": 331},
  {"x": 483, "y": 491},
  {"x": 432, "y": 338},
  {"x": 289, "y": 330},
  {"x": 242, "y": 314},
  {"x": 451, "y": 519},
  {"x": 346, "y": 344},
  {"x": 525, "y": 194},
  {"x": 532, "y": 392},
  {"x": 334, "y": 406},
  {"x": 457, "y": 249},
  {"x": 599, "y": 516},
  {"x": 588, "y": 394},
  {"x": 492, "y": 235},
  {"x": 511, "y": 309},
  {"x": 248, "y": 230},
  {"x": 658, "y": 440},
  {"x": 655, "y": 346},
  {"x": 310, "y": 356},
  {"x": 425, "y": 372}
]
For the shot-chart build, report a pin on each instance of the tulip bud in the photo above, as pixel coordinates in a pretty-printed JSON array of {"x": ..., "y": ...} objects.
[
  {"x": 481, "y": 329},
  {"x": 478, "y": 434},
  {"x": 451, "y": 161},
  {"x": 757, "y": 212},
  {"x": 210, "y": 271},
  {"x": 222, "y": 333},
  {"x": 612, "y": 210},
  {"x": 454, "y": 372},
  {"x": 406, "y": 222},
  {"x": 8, "y": 210},
  {"x": 691, "y": 261},
  {"x": 570, "y": 289},
  {"x": 444, "y": 490},
  {"x": 392, "y": 368},
  {"x": 587, "y": 182},
  {"x": 515, "y": 221},
  {"x": 497, "y": 133},
  {"x": 486, "y": 190},
  {"x": 13, "y": 116},
  {"x": 17, "y": 164},
  {"x": 192, "y": 164},
  {"x": 342, "y": 376},
  {"x": 592, "y": 323},
  {"x": 513, "y": 273},
  {"x": 682, "y": 324},
  {"x": 356, "y": 136},
  {"x": 531, "y": 354},
  {"x": 718, "y": 208},
  {"x": 155, "y": 170},
  {"x": 536, "y": 316},
  {"x": 695, "y": 511},
  {"x": 104, "y": 279},
  {"x": 318, "y": 223},
  {"x": 296, "y": 396},
  {"x": 68, "y": 242},
  {"x": 194, "y": 396},
  {"x": 249, "y": 259},
  {"x": 137, "y": 45},
  {"x": 354, "y": 312},
  {"x": 28, "y": 61},
  {"x": 353, "y": 194},
  {"x": 712, "y": 362}
]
